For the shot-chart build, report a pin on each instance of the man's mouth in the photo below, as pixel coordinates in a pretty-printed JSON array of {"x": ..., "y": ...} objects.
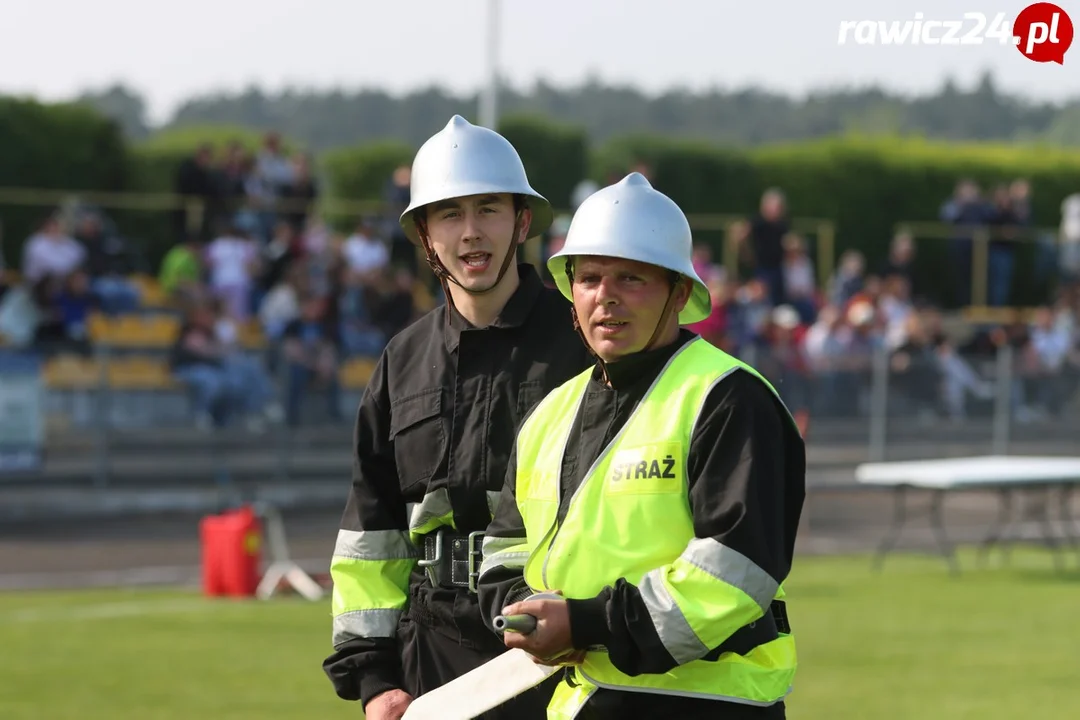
[
  {"x": 611, "y": 323},
  {"x": 476, "y": 259}
]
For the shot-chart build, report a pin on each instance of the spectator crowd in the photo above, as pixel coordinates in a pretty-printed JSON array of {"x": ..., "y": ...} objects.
[{"x": 259, "y": 254}]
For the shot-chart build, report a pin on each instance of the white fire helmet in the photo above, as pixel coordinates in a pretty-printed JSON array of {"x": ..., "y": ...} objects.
[
  {"x": 633, "y": 221},
  {"x": 464, "y": 159}
]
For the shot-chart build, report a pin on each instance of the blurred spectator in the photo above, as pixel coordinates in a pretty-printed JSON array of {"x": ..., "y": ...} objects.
[
  {"x": 396, "y": 199},
  {"x": 51, "y": 253},
  {"x": 181, "y": 271},
  {"x": 895, "y": 307},
  {"x": 107, "y": 263},
  {"x": 715, "y": 328},
  {"x": 959, "y": 380},
  {"x": 299, "y": 194},
  {"x": 396, "y": 306},
  {"x": 284, "y": 250},
  {"x": 966, "y": 210},
  {"x": 223, "y": 381},
  {"x": 233, "y": 262},
  {"x": 786, "y": 363},
  {"x": 1069, "y": 253},
  {"x": 1051, "y": 342},
  {"x": 195, "y": 180},
  {"x": 800, "y": 287},
  {"x": 556, "y": 239},
  {"x": 704, "y": 265},
  {"x": 763, "y": 238},
  {"x": 282, "y": 303},
  {"x": 749, "y": 316},
  {"x": 901, "y": 260},
  {"x": 1002, "y": 258},
  {"x": 848, "y": 278},
  {"x": 311, "y": 354},
  {"x": 913, "y": 368},
  {"x": 365, "y": 255}
]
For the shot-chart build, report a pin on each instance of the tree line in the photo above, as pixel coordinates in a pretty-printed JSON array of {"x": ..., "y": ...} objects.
[{"x": 324, "y": 120}]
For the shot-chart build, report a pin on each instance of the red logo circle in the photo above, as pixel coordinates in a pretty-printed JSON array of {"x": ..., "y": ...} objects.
[{"x": 1043, "y": 32}]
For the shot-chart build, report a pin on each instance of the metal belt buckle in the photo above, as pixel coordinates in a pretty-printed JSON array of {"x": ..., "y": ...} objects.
[
  {"x": 432, "y": 564},
  {"x": 475, "y": 558}
]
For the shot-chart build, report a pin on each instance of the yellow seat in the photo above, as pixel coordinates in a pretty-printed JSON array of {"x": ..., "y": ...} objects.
[
  {"x": 151, "y": 294},
  {"x": 356, "y": 373},
  {"x": 134, "y": 331},
  {"x": 140, "y": 373},
  {"x": 71, "y": 372}
]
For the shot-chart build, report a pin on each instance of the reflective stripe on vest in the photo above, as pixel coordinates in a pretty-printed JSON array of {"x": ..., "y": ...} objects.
[{"x": 631, "y": 518}]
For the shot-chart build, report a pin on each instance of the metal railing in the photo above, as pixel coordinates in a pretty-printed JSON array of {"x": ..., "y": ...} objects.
[
  {"x": 980, "y": 237},
  {"x": 862, "y": 406}
]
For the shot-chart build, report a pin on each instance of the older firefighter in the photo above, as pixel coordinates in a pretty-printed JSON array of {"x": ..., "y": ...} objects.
[
  {"x": 435, "y": 429},
  {"x": 658, "y": 492}
]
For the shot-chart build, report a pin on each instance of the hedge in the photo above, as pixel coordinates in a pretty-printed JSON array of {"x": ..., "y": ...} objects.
[
  {"x": 867, "y": 186},
  {"x": 55, "y": 147}
]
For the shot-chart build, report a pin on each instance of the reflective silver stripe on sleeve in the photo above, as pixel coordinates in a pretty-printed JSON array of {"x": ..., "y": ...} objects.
[
  {"x": 435, "y": 505},
  {"x": 496, "y": 553},
  {"x": 493, "y": 544},
  {"x": 374, "y": 545},
  {"x": 671, "y": 625},
  {"x": 719, "y": 561},
  {"x": 365, "y": 624},
  {"x": 732, "y": 567}
]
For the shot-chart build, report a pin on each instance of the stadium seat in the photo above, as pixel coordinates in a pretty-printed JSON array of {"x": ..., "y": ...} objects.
[
  {"x": 71, "y": 372},
  {"x": 355, "y": 373},
  {"x": 134, "y": 330},
  {"x": 151, "y": 294},
  {"x": 138, "y": 372}
]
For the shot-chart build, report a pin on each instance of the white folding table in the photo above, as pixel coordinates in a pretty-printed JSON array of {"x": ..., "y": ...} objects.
[{"x": 1007, "y": 475}]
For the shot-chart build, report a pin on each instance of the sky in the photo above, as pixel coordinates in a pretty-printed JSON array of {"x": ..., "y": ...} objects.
[{"x": 170, "y": 51}]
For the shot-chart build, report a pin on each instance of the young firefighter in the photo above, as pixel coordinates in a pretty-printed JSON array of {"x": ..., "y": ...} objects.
[
  {"x": 435, "y": 429},
  {"x": 658, "y": 492}
]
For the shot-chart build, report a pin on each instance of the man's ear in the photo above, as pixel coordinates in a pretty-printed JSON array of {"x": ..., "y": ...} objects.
[
  {"x": 526, "y": 223},
  {"x": 683, "y": 292}
]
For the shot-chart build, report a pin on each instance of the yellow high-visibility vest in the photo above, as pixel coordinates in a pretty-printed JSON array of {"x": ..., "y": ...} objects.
[{"x": 630, "y": 518}]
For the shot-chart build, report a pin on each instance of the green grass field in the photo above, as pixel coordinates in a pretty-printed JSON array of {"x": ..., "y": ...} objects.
[{"x": 910, "y": 642}]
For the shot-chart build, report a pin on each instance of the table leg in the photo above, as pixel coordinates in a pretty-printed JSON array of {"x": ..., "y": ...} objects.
[
  {"x": 938, "y": 525},
  {"x": 1049, "y": 537},
  {"x": 1067, "y": 522},
  {"x": 893, "y": 535},
  {"x": 999, "y": 534}
]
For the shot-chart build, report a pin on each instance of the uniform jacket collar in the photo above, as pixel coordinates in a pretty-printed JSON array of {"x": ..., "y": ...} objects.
[
  {"x": 514, "y": 313},
  {"x": 631, "y": 369}
]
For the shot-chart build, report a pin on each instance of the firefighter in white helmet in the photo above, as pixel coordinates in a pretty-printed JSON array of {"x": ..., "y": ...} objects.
[
  {"x": 658, "y": 492},
  {"x": 435, "y": 428}
]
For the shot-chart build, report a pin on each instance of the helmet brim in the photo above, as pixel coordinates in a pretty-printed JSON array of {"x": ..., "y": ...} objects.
[{"x": 697, "y": 308}]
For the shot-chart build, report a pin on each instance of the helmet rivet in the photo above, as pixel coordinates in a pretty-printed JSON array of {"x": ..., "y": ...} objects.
[{"x": 455, "y": 146}]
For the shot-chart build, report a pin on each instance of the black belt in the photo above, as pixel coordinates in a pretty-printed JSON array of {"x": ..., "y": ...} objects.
[{"x": 452, "y": 560}]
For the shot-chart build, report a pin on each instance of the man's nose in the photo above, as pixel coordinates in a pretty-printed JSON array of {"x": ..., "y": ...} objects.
[
  {"x": 605, "y": 291},
  {"x": 471, "y": 230}
]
